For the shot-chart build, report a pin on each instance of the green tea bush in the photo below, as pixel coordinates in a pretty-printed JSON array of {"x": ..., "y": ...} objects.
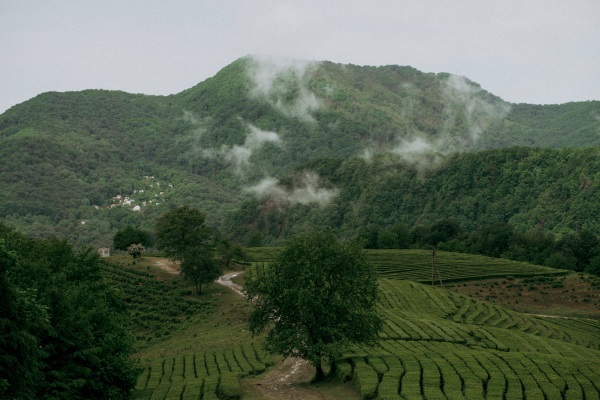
[
  {"x": 343, "y": 370},
  {"x": 365, "y": 378},
  {"x": 229, "y": 387}
]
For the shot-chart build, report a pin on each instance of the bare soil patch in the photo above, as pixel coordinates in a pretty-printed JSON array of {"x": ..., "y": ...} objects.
[
  {"x": 291, "y": 380},
  {"x": 573, "y": 295},
  {"x": 171, "y": 267}
]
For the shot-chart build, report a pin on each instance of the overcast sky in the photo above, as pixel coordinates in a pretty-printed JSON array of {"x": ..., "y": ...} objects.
[{"x": 536, "y": 51}]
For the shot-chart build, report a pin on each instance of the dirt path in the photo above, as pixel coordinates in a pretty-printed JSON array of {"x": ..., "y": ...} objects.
[
  {"x": 163, "y": 264},
  {"x": 288, "y": 380},
  {"x": 226, "y": 280}
]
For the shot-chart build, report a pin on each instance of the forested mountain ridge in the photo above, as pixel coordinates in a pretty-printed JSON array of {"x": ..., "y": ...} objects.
[
  {"x": 551, "y": 190},
  {"x": 67, "y": 157}
]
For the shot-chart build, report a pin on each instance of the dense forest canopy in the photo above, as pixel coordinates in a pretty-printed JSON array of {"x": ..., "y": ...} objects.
[
  {"x": 276, "y": 146},
  {"x": 62, "y": 333}
]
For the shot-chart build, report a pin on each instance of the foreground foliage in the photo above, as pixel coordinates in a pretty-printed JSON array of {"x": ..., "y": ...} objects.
[{"x": 64, "y": 336}]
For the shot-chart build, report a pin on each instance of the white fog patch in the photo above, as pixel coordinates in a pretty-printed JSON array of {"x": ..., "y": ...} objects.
[
  {"x": 192, "y": 141},
  {"x": 190, "y": 117},
  {"x": 422, "y": 153},
  {"x": 239, "y": 155},
  {"x": 283, "y": 83},
  {"x": 307, "y": 192},
  {"x": 479, "y": 111}
]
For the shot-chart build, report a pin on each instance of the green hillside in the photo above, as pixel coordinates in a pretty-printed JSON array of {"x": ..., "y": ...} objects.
[
  {"x": 67, "y": 156},
  {"x": 519, "y": 203}
]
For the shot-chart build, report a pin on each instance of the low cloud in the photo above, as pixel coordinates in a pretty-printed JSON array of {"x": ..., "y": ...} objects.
[
  {"x": 239, "y": 155},
  {"x": 478, "y": 110},
  {"x": 420, "y": 152},
  {"x": 283, "y": 83},
  {"x": 307, "y": 192},
  {"x": 191, "y": 143}
]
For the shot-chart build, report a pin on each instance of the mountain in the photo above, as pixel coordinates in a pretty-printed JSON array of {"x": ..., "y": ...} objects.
[{"x": 84, "y": 164}]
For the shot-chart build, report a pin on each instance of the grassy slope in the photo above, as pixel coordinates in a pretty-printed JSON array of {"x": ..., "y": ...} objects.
[{"x": 428, "y": 332}]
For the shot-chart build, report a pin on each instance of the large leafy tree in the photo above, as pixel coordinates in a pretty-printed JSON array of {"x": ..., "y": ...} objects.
[
  {"x": 179, "y": 230},
  {"x": 317, "y": 297},
  {"x": 21, "y": 317},
  {"x": 228, "y": 252}
]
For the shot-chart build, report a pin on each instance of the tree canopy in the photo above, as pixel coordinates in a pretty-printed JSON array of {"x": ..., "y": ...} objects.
[
  {"x": 179, "y": 230},
  {"x": 182, "y": 235},
  {"x": 316, "y": 298},
  {"x": 130, "y": 235},
  {"x": 62, "y": 335},
  {"x": 199, "y": 267}
]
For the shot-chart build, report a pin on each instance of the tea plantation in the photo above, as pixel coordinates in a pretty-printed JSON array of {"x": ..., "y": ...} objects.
[{"x": 435, "y": 343}]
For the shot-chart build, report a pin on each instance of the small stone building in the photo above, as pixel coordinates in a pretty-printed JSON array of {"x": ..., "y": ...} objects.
[{"x": 104, "y": 252}]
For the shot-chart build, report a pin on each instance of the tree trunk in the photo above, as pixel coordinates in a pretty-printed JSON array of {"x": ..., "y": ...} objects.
[{"x": 320, "y": 375}]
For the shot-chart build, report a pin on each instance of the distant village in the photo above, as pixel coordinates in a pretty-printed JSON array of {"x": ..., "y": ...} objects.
[{"x": 151, "y": 195}]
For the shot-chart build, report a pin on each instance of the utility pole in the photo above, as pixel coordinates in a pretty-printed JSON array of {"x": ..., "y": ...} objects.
[{"x": 434, "y": 267}]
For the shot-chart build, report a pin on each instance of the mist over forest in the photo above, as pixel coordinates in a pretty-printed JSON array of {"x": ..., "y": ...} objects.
[
  {"x": 385, "y": 171},
  {"x": 269, "y": 147}
]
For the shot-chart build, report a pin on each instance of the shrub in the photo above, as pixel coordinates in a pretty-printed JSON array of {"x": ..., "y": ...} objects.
[
  {"x": 343, "y": 370},
  {"x": 366, "y": 380},
  {"x": 229, "y": 387}
]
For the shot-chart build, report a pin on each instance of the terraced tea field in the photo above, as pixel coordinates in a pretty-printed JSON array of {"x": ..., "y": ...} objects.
[
  {"x": 573, "y": 295},
  {"x": 435, "y": 344},
  {"x": 416, "y": 265},
  {"x": 157, "y": 307},
  {"x": 207, "y": 375}
]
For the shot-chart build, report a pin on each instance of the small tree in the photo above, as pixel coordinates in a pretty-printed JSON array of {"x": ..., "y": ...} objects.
[
  {"x": 228, "y": 252},
  {"x": 199, "y": 267},
  {"x": 136, "y": 250},
  {"x": 130, "y": 235},
  {"x": 181, "y": 229},
  {"x": 317, "y": 297}
]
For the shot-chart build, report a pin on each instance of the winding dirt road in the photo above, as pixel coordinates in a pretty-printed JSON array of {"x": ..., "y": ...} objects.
[
  {"x": 226, "y": 280},
  {"x": 287, "y": 380}
]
